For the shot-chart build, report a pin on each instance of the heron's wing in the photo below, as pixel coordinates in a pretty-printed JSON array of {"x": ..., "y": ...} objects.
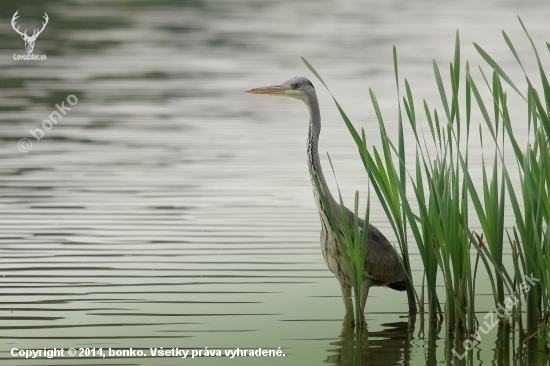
[{"x": 382, "y": 261}]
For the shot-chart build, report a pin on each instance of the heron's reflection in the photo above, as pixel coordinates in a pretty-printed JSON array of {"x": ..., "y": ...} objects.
[{"x": 390, "y": 346}]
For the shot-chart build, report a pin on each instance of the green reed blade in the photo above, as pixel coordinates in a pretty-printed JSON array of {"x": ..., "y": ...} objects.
[
  {"x": 481, "y": 105},
  {"x": 543, "y": 77},
  {"x": 495, "y": 66},
  {"x": 347, "y": 121},
  {"x": 513, "y": 49},
  {"x": 410, "y": 103},
  {"x": 430, "y": 123},
  {"x": 441, "y": 90},
  {"x": 497, "y": 96},
  {"x": 457, "y": 60},
  {"x": 545, "y": 120},
  {"x": 468, "y": 103}
]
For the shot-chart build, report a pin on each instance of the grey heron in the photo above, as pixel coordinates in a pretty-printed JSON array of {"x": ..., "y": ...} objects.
[{"x": 383, "y": 265}]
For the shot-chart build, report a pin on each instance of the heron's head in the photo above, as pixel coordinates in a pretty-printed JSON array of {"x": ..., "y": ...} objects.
[{"x": 296, "y": 87}]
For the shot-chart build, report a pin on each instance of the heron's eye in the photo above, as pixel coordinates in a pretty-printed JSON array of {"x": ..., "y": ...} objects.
[{"x": 295, "y": 86}]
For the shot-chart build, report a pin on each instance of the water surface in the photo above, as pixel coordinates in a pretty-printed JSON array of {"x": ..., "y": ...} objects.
[{"x": 170, "y": 209}]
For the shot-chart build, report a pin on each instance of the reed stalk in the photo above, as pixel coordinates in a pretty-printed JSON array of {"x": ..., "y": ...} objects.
[
  {"x": 436, "y": 211},
  {"x": 352, "y": 244}
]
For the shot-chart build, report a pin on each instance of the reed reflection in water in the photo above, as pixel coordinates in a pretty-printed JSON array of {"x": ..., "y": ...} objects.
[{"x": 397, "y": 343}]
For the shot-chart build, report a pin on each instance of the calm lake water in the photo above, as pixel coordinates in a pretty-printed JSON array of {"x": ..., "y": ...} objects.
[{"x": 170, "y": 209}]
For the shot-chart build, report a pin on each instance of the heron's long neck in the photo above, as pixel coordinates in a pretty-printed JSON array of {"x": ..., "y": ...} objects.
[{"x": 313, "y": 150}]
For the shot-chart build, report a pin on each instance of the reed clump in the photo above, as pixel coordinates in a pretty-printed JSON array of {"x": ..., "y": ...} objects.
[{"x": 444, "y": 198}]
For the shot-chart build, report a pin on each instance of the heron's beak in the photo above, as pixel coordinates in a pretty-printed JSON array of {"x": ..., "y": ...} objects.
[{"x": 272, "y": 89}]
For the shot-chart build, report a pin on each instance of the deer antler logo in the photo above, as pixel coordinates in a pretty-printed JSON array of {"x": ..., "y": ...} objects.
[{"x": 29, "y": 41}]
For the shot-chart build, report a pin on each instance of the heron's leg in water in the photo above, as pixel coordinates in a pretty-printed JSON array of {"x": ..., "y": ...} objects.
[
  {"x": 365, "y": 286},
  {"x": 346, "y": 296}
]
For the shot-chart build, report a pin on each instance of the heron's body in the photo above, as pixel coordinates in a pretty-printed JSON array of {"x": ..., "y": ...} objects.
[{"x": 382, "y": 263}]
